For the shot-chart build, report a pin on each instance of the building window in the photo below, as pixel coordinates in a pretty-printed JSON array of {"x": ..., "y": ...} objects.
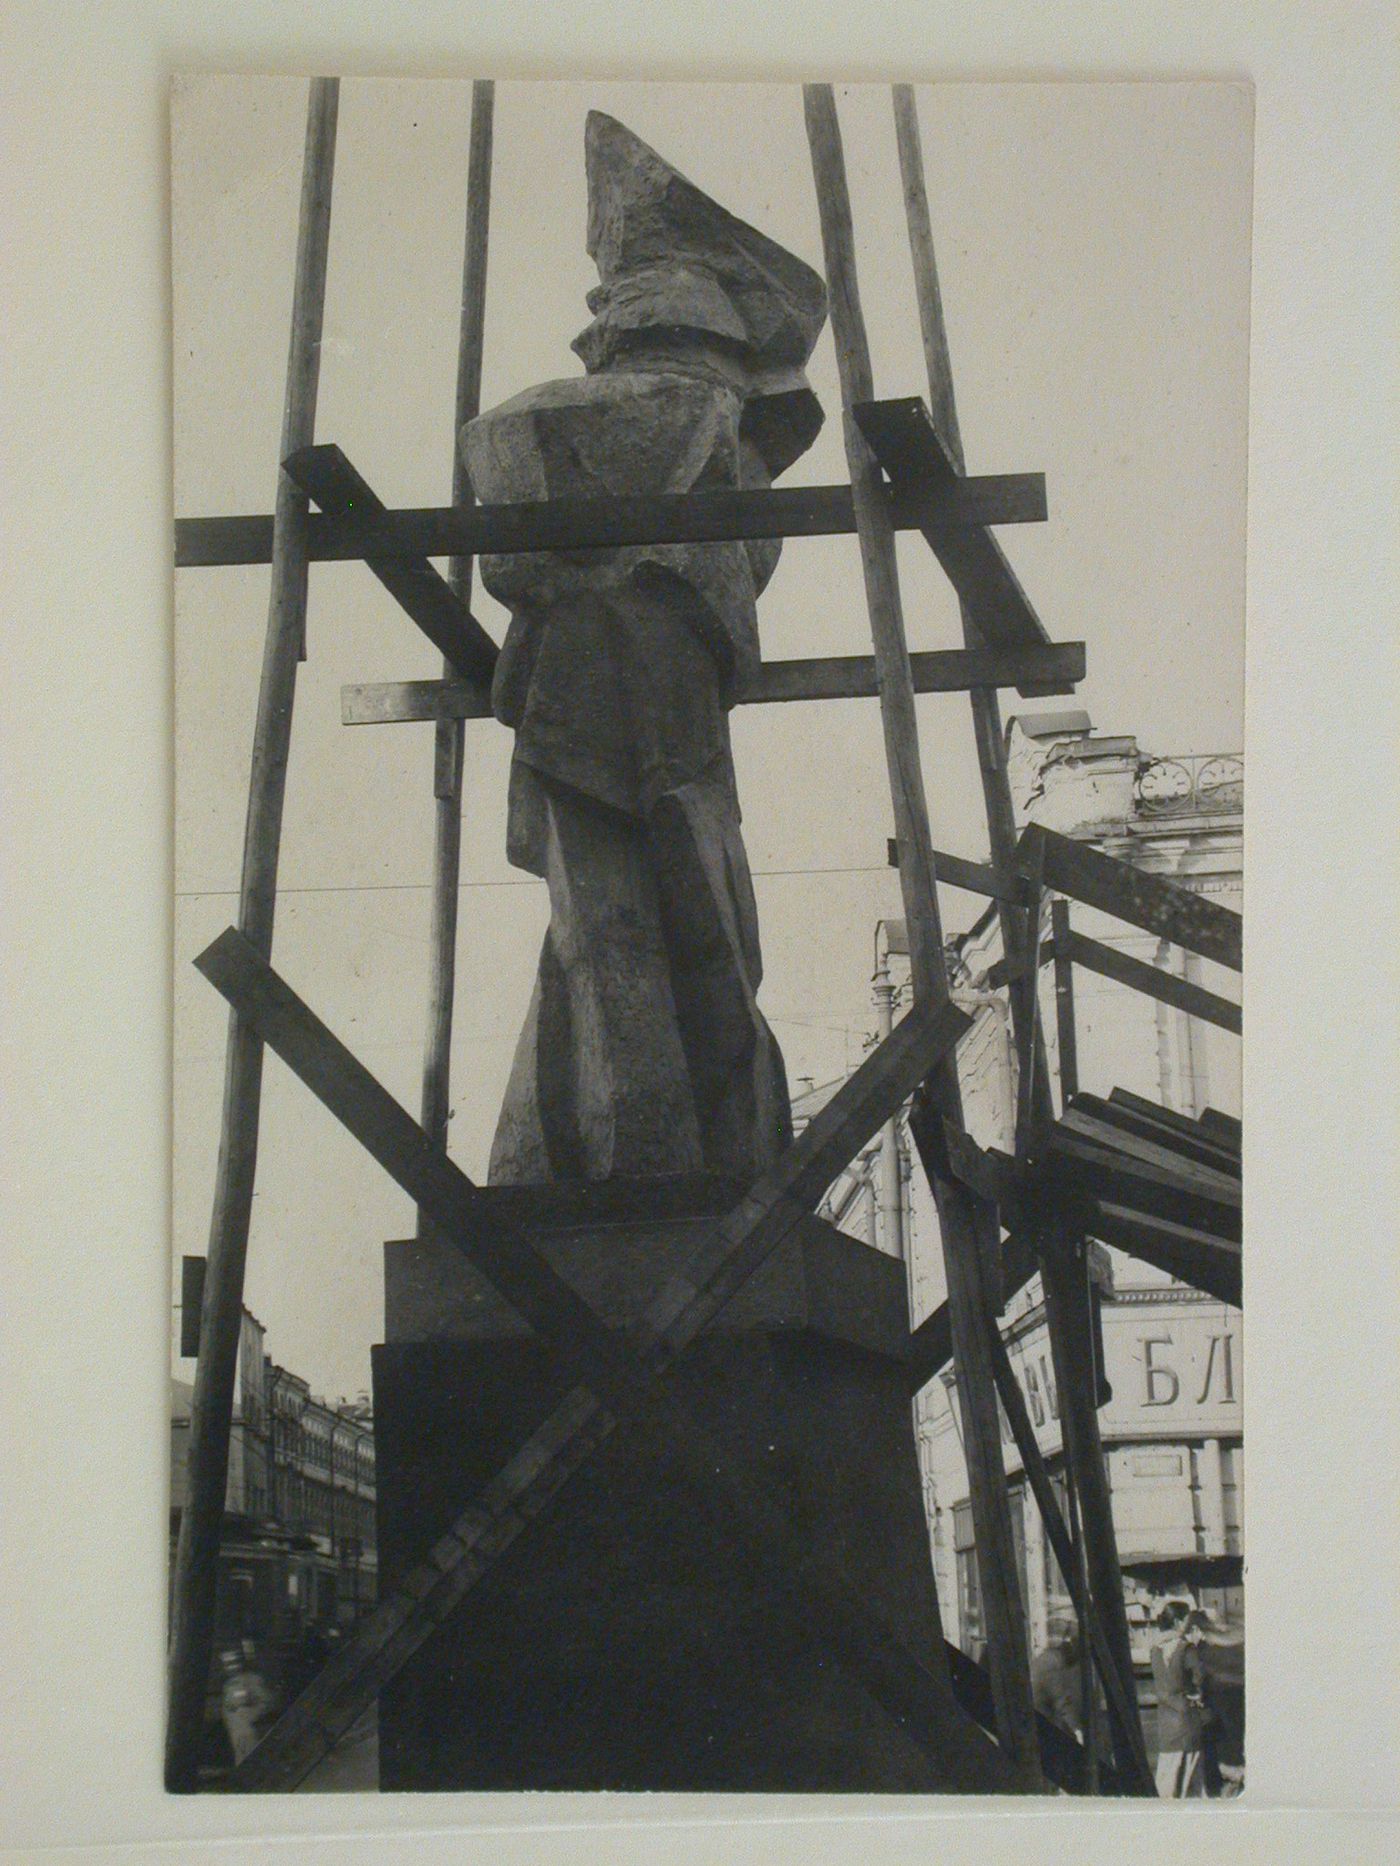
[{"x": 969, "y": 1586}]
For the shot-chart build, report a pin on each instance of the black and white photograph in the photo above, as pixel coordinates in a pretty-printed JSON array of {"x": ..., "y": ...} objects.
[
  {"x": 635, "y": 1124},
  {"x": 709, "y": 803}
]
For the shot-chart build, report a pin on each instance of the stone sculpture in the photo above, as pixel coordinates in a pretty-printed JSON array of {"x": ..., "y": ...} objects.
[{"x": 644, "y": 1051}]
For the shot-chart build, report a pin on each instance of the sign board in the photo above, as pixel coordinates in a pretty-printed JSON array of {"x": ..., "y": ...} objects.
[{"x": 1174, "y": 1367}]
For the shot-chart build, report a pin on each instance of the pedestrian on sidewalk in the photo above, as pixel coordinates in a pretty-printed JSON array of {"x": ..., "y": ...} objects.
[{"x": 1181, "y": 1716}]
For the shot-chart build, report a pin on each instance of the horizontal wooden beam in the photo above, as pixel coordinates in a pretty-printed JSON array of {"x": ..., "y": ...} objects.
[
  {"x": 904, "y": 440},
  {"x": 405, "y": 702},
  {"x": 622, "y": 1375},
  {"x": 1200, "y": 1258},
  {"x": 1199, "y": 1146},
  {"x": 838, "y": 677},
  {"x": 1212, "y": 1180},
  {"x": 600, "y": 524},
  {"x": 981, "y": 878},
  {"x": 326, "y": 476},
  {"x": 1157, "y": 983},
  {"x": 1225, "y": 1127},
  {"x": 1014, "y": 971},
  {"x": 1128, "y": 893},
  {"x": 1222, "y": 1130},
  {"x": 1058, "y": 667},
  {"x": 1080, "y": 1172}
]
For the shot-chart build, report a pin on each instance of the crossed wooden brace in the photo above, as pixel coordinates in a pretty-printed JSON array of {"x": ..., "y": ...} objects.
[{"x": 618, "y": 1378}]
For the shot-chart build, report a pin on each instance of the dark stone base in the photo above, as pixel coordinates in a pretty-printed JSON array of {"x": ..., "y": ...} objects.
[{"x": 629, "y": 1640}]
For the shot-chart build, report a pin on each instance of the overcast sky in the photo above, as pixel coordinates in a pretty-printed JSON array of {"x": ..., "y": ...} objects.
[{"x": 1094, "y": 255}]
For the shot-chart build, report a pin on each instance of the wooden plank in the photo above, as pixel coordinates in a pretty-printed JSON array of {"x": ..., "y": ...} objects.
[
  {"x": 904, "y": 440},
  {"x": 1081, "y": 1443},
  {"x": 583, "y": 524},
  {"x": 1067, "y": 1040},
  {"x": 1213, "y": 1181},
  {"x": 1186, "y": 1146},
  {"x": 1225, "y": 1127},
  {"x": 623, "y": 1377},
  {"x": 399, "y": 702},
  {"x": 425, "y": 597},
  {"x": 1064, "y": 1276},
  {"x": 980, "y": 878},
  {"x": 1154, "y": 980},
  {"x": 1079, "y": 1170},
  {"x": 948, "y": 670},
  {"x": 1215, "y": 1131},
  {"x": 836, "y": 677},
  {"x": 938, "y": 362},
  {"x": 1086, "y": 874},
  {"x": 1032, "y": 1102},
  {"x": 1016, "y": 929},
  {"x": 1201, "y": 1258},
  {"x": 450, "y": 739},
  {"x": 211, "y": 1406},
  {"x": 959, "y": 1220},
  {"x": 1094, "y": 1638},
  {"x": 993, "y": 1176},
  {"x": 930, "y": 1346},
  {"x": 191, "y": 1303}
]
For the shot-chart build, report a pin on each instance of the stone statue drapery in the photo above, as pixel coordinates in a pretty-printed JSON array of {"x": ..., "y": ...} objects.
[{"x": 644, "y": 1051}]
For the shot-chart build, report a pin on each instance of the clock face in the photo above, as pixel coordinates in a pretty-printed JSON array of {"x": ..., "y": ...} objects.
[
  {"x": 1165, "y": 781},
  {"x": 1220, "y": 784}
]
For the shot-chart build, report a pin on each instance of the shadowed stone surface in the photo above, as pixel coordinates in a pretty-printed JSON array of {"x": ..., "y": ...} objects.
[{"x": 629, "y": 1641}]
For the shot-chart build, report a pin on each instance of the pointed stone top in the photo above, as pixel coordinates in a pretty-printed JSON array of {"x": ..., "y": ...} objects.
[{"x": 669, "y": 257}]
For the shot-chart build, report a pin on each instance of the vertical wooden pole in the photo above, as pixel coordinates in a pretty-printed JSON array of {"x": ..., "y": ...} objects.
[
  {"x": 1083, "y": 1447},
  {"x": 1064, "y": 1273},
  {"x": 1032, "y": 1104},
  {"x": 1062, "y": 1531},
  {"x": 201, "y": 1521},
  {"x": 969, "y": 1298},
  {"x": 451, "y": 733},
  {"x": 1085, "y": 1613},
  {"x": 1064, "y": 1002}
]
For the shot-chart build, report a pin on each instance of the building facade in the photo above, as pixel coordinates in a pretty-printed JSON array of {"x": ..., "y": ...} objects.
[
  {"x": 298, "y": 1550},
  {"x": 1172, "y": 1429}
]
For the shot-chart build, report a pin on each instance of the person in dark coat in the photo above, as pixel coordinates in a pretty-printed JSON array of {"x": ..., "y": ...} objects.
[
  {"x": 1055, "y": 1681},
  {"x": 1222, "y": 1663},
  {"x": 1178, "y": 1676}
]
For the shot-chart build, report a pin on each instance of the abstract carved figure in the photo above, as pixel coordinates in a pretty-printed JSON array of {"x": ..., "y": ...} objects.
[{"x": 644, "y": 1051}]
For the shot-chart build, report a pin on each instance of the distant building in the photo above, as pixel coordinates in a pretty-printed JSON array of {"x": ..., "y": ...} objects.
[
  {"x": 1173, "y": 1428},
  {"x": 298, "y": 1549}
]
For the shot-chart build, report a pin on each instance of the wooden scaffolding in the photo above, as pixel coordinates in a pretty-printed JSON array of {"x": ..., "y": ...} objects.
[{"x": 1139, "y": 1176}]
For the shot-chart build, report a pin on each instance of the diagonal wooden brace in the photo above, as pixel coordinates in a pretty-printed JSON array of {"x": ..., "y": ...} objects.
[
  {"x": 326, "y": 476},
  {"x": 1128, "y": 1740},
  {"x": 902, "y": 437},
  {"x": 1143, "y": 900},
  {"x": 1124, "y": 969},
  {"x": 611, "y": 1373}
]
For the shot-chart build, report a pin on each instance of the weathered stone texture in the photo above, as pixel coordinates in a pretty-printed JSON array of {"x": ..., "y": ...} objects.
[{"x": 644, "y": 1051}]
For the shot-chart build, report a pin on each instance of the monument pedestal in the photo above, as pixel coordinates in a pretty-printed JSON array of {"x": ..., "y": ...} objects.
[{"x": 629, "y": 1640}]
